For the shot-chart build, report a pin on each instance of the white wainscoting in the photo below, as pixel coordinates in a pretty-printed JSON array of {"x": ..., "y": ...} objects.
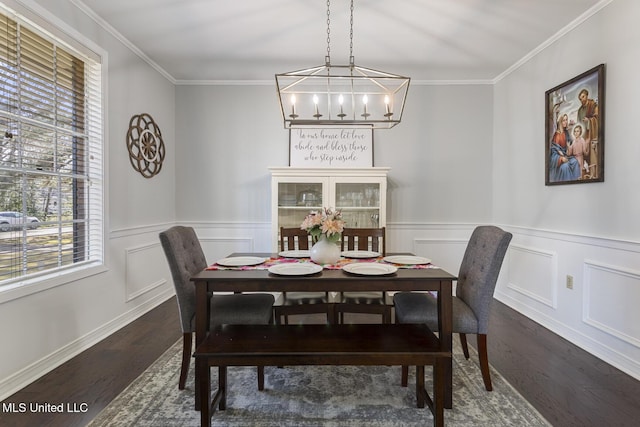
[
  {"x": 219, "y": 247},
  {"x": 139, "y": 278},
  {"x": 611, "y": 300},
  {"x": 599, "y": 314},
  {"x": 444, "y": 253},
  {"x": 218, "y": 240},
  {"x": 533, "y": 273}
]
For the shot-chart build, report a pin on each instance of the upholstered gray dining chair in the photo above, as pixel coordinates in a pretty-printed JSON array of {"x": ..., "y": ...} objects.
[
  {"x": 292, "y": 303},
  {"x": 474, "y": 293},
  {"x": 186, "y": 258},
  {"x": 374, "y": 302}
]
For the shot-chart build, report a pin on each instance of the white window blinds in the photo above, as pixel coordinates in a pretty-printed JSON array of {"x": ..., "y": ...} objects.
[{"x": 51, "y": 177}]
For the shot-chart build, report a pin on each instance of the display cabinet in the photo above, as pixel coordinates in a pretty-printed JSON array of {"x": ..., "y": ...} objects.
[{"x": 360, "y": 193}]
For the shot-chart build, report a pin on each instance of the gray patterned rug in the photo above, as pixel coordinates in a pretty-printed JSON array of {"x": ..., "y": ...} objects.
[{"x": 304, "y": 396}]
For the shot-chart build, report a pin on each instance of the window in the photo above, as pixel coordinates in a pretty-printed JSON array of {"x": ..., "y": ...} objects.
[{"x": 50, "y": 154}]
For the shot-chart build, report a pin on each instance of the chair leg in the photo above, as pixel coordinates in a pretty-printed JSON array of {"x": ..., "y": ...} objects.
[
  {"x": 463, "y": 344},
  {"x": 260, "y": 378},
  {"x": 386, "y": 317},
  {"x": 186, "y": 359},
  {"x": 405, "y": 375},
  {"x": 484, "y": 361}
]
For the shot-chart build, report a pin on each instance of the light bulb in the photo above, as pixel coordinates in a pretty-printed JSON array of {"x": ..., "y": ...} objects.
[{"x": 293, "y": 114}]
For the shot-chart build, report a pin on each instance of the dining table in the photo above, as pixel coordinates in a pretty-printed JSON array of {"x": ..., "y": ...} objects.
[{"x": 259, "y": 277}]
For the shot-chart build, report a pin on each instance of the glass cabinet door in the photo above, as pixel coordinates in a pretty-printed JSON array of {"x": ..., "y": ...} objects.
[
  {"x": 359, "y": 202},
  {"x": 360, "y": 193},
  {"x": 297, "y": 199}
]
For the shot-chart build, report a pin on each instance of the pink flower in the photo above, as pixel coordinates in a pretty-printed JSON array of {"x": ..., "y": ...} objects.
[
  {"x": 331, "y": 226},
  {"x": 329, "y": 223}
]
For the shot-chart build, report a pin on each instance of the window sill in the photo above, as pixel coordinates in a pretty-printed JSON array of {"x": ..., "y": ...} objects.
[{"x": 34, "y": 285}]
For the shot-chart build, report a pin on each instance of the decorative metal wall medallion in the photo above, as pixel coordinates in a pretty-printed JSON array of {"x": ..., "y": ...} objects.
[{"x": 146, "y": 148}]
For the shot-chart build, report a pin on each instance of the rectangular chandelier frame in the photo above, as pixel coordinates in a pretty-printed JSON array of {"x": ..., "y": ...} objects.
[{"x": 341, "y": 95}]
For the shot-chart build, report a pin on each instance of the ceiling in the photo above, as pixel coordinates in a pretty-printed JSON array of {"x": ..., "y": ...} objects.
[{"x": 209, "y": 40}]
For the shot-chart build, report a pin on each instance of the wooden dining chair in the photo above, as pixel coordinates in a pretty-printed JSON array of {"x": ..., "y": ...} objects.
[
  {"x": 364, "y": 239},
  {"x": 471, "y": 306},
  {"x": 186, "y": 258},
  {"x": 293, "y": 303}
]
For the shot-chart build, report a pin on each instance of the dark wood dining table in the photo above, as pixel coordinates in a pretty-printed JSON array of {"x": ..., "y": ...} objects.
[{"x": 331, "y": 280}]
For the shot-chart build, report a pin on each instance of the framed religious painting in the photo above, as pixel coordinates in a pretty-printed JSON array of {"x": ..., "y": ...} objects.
[{"x": 574, "y": 123}]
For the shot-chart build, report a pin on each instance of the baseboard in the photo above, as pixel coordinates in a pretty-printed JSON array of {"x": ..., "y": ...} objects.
[{"x": 29, "y": 374}]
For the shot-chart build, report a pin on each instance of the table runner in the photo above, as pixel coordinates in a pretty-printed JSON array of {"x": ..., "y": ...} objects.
[{"x": 337, "y": 266}]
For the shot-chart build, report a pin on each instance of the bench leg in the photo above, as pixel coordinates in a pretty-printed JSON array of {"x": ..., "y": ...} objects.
[
  {"x": 222, "y": 387},
  {"x": 439, "y": 391},
  {"x": 332, "y": 314},
  {"x": 203, "y": 397},
  {"x": 448, "y": 387},
  {"x": 420, "y": 390},
  {"x": 437, "y": 403},
  {"x": 405, "y": 375},
  {"x": 260, "y": 378},
  {"x": 197, "y": 380}
]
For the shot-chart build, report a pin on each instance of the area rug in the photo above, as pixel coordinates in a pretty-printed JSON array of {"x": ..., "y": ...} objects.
[{"x": 305, "y": 396}]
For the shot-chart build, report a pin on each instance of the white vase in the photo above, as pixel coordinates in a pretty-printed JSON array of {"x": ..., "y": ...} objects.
[{"x": 325, "y": 251}]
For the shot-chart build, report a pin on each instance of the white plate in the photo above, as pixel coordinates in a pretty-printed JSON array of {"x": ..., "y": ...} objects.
[
  {"x": 240, "y": 261},
  {"x": 360, "y": 254},
  {"x": 295, "y": 254},
  {"x": 406, "y": 259},
  {"x": 296, "y": 269},
  {"x": 369, "y": 268}
]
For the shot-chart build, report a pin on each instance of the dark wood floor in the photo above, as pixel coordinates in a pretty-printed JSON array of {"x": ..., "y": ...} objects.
[
  {"x": 566, "y": 384},
  {"x": 99, "y": 374}
]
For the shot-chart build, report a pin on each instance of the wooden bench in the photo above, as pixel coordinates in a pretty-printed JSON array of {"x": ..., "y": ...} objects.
[{"x": 278, "y": 345}]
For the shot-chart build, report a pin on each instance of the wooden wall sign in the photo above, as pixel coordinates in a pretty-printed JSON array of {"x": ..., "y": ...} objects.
[{"x": 331, "y": 148}]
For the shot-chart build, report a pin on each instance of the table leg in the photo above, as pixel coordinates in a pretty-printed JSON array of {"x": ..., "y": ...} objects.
[
  {"x": 445, "y": 322},
  {"x": 202, "y": 318}
]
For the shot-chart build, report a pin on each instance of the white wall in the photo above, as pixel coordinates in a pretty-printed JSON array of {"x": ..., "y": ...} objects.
[
  {"x": 588, "y": 231},
  {"x": 42, "y": 330},
  {"x": 227, "y": 137},
  {"x": 439, "y": 155}
]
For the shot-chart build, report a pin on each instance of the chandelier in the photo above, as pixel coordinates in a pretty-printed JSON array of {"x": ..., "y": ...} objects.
[{"x": 341, "y": 95}]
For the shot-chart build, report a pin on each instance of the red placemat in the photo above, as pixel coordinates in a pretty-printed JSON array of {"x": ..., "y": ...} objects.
[{"x": 337, "y": 266}]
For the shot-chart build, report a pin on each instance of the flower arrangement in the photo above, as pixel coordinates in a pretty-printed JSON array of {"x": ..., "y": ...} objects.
[{"x": 329, "y": 223}]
